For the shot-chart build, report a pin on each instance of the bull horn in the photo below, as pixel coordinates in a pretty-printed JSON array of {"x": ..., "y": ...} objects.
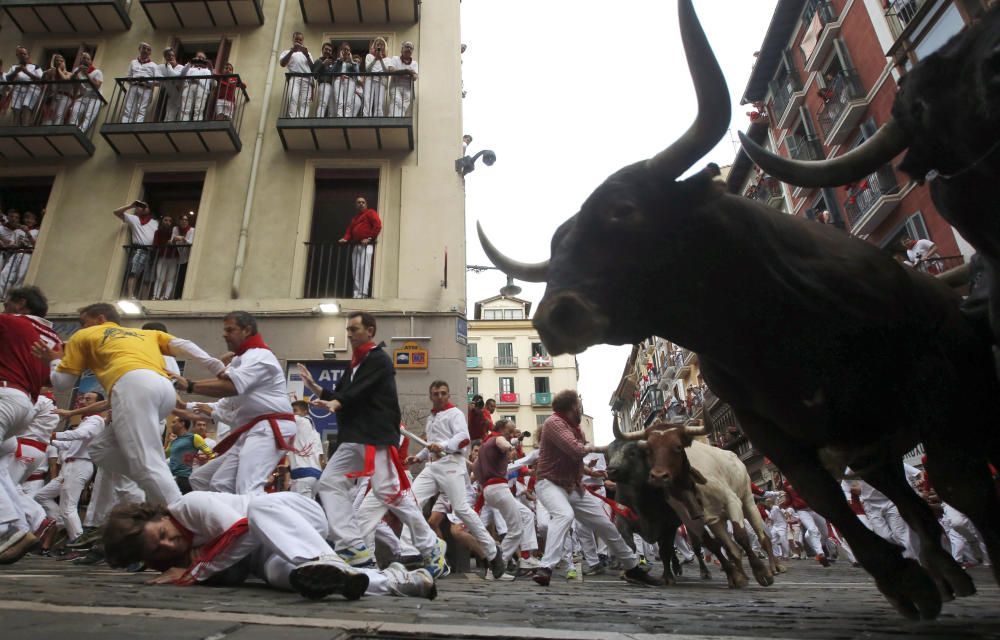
[
  {"x": 714, "y": 112},
  {"x": 603, "y": 449},
  {"x": 520, "y": 270},
  {"x": 616, "y": 430},
  {"x": 695, "y": 431},
  {"x": 634, "y": 435},
  {"x": 864, "y": 160}
]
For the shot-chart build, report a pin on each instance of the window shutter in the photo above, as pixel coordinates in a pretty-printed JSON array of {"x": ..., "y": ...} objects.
[
  {"x": 807, "y": 123},
  {"x": 843, "y": 54}
]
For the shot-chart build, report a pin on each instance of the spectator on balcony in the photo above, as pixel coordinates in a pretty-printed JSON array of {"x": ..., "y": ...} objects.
[
  {"x": 348, "y": 89},
  {"x": 87, "y": 93},
  {"x": 376, "y": 87},
  {"x": 23, "y": 100},
  {"x": 183, "y": 237},
  {"x": 918, "y": 252},
  {"x": 323, "y": 70},
  {"x": 172, "y": 89},
  {"x": 21, "y": 242},
  {"x": 165, "y": 263},
  {"x": 194, "y": 97},
  {"x": 298, "y": 60},
  {"x": 404, "y": 68},
  {"x": 59, "y": 94},
  {"x": 225, "y": 103},
  {"x": 142, "y": 229},
  {"x": 823, "y": 217},
  {"x": 361, "y": 233},
  {"x": 140, "y": 91}
]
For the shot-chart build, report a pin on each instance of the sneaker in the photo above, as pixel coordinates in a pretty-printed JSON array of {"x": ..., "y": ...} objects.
[
  {"x": 92, "y": 557},
  {"x": 85, "y": 539},
  {"x": 636, "y": 575},
  {"x": 497, "y": 565},
  {"x": 357, "y": 556},
  {"x": 822, "y": 560},
  {"x": 15, "y": 545},
  {"x": 542, "y": 576},
  {"x": 322, "y": 577},
  {"x": 504, "y": 577},
  {"x": 594, "y": 570},
  {"x": 644, "y": 564},
  {"x": 437, "y": 564},
  {"x": 529, "y": 563},
  {"x": 572, "y": 574},
  {"x": 413, "y": 584}
]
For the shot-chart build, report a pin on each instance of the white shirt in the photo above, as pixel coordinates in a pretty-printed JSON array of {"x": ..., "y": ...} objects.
[
  {"x": 260, "y": 382},
  {"x": 376, "y": 65},
  {"x": 74, "y": 443},
  {"x": 44, "y": 421},
  {"x": 190, "y": 71},
  {"x": 600, "y": 465},
  {"x": 96, "y": 76},
  {"x": 396, "y": 64},
  {"x": 298, "y": 63},
  {"x": 29, "y": 73},
  {"x": 308, "y": 442},
  {"x": 141, "y": 233},
  {"x": 183, "y": 253},
  {"x": 920, "y": 250},
  {"x": 138, "y": 69},
  {"x": 167, "y": 71},
  {"x": 449, "y": 429},
  {"x": 777, "y": 517}
]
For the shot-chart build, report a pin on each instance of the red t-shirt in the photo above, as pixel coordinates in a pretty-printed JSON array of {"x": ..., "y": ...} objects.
[
  {"x": 794, "y": 499},
  {"x": 18, "y": 367},
  {"x": 365, "y": 225}
]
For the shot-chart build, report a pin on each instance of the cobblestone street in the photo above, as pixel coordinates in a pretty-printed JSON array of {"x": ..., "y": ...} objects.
[{"x": 43, "y": 598}]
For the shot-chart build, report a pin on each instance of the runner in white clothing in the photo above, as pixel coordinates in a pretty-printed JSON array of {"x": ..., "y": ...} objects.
[
  {"x": 253, "y": 386},
  {"x": 307, "y": 461}
]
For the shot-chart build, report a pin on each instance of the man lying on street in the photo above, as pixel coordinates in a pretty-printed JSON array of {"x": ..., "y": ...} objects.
[{"x": 279, "y": 537}]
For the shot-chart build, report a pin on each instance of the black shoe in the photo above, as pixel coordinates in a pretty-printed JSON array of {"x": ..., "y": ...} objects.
[
  {"x": 543, "y": 576},
  {"x": 497, "y": 565},
  {"x": 636, "y": 575},
  {"x": 92, "y": 557},
  {"x": 319, "y": 579}
]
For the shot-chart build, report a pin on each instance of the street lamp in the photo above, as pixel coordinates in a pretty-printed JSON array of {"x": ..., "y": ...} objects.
[
  {"x": 509, "y": 290},
  {"x": 466, "y": 165}
]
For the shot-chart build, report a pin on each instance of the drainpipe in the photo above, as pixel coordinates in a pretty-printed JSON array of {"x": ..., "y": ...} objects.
[{"x": 241, "y": 248}]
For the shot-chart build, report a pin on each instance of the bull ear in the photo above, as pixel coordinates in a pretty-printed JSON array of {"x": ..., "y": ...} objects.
[{"x": 697, "y": 477}]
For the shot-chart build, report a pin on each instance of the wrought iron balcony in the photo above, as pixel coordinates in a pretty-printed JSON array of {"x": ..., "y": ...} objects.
[
  {"x": 154, "y": 272},
  {"x": 805, "y": 147},
  {"x": 766, "y": 190},
  {"x": 510, "y": 399},
  {"x": 339, "y": 270},
  {"x": 200, "y": 114},
  {"x": 821, "y": 15},
  {"x": 505, "y": 362},
  {"x": 788, "y": 96},
  {"x": 902, "y": 17},
  {"x": 203, "y": 14},
  {"x": 871, "y": 199},
  {"x": 49, "y": 119},
  {"x": 541, "y": 399},
  {"x": 359, "y": 11},
  {"x": 541, "y": 361},
  {"x": 15, "y": 261},
  {"x": 473, "y": 362},
  {"x": 353, "y": 112},
  {"x": 68, "y": 16},
  {"x": 843, "y": 107}
]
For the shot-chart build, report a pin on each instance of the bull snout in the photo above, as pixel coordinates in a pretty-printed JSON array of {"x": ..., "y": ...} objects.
[
  {"x": 614, "y": 474},
  {"x": 659, "y": 476},
  {"x": 569, "y": 323}
]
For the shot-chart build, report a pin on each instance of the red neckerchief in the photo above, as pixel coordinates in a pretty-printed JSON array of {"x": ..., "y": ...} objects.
[
  {"x": 446, "y": 407},
  {"x": 141, "y": 61},
  {"x": 252, "y": 342},
  {"x": 145, "y": 217},
  {"x": 405, "y": 60},
  {"x": 359, "y": 353}
]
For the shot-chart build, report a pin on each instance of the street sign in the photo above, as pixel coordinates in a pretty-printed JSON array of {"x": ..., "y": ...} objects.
[{"x": 326, "y": 373}]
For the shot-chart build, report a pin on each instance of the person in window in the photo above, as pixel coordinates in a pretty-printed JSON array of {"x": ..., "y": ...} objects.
[
  {"x": 297, "y": 60},
  {"x": 195, "y": 94},
  {"x": 140, "y": 92},
  {"x": 57, "y": 103},
  {"x": 171, "y": 88},
  {"x": 20, "y": 239},
  {"x": 86, "y": 100},
  {"x": 346, "y": 88},
  {"x": 183, "y": 238},
  {"x": 323, "y": 69},
  {"x": 404, "y": 68},
  {"x": 225, "y": 104},
  {"x": 142, "y": 228},
  {"x": 165, "y": 268},
  {"x": 24, "y": 99},
  {"x": 376, "y": 87},
  {"x": 919, "y": 252},
  {"x": 361, "y": 233}
]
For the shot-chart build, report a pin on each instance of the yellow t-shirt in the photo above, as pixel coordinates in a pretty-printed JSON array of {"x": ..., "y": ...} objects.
[{"x": 111, "y": 351}]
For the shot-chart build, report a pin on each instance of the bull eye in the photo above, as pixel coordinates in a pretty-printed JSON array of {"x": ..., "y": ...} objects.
[{"x": 623, "y": 213}]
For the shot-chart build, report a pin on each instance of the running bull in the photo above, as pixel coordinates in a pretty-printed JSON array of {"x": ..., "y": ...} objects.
[{"x": 830, "y": 353}]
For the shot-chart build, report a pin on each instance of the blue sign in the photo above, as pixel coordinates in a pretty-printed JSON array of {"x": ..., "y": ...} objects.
[
  {"x": 326, "y": 373},
  {"x": 461, "y": 331}
]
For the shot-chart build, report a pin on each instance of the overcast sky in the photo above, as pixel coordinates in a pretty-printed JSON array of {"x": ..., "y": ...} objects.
[{"x": 566, "y": 92}]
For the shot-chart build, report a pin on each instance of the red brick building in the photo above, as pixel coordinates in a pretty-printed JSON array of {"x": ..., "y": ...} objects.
[{"x": 824, "y": 81}]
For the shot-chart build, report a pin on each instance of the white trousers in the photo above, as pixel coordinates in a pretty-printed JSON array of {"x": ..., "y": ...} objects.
[
  {"x": 500, "y": 498},
  {"x": 448, "y": 476},
  {"x": 193, "y": 99},
  {"x": 779, "y": 541},
  {"x": 75, "y": 475},
  {"x": 324, "y": 99},
  {"x": 402, "y": 98},
  {"x": 110, "y": 489},
  {"x": 375, "y": 92},
  {"x": 305, "y": 486},
  {"x": 814, "y": 530},
  {"x": 563, "y": 507},
  {"x": 20, "y": 468},
  {"x": 84, "y": 111},
  {"x": 347, "y": 102},
  {"x": 334, "y": 488},
  {"x": 245, "y": 468},
  {"x": 15, "y": 409},
  {"x": 885, "y": 520},
  {"x": 529, "y": 539},
  {"x": 966, "y": 543},
  {"x": 132, "y": 443},
  {"x": 137, "y": 100},
  {"x": 166, "y": 276},
  {"x": 299, "y": 95},
  {"x": 294, "y": 529},
  {"x": 683, "y": 546},
  {"x": 361, "y": 268},
  {"x": 60, "y": 107}
]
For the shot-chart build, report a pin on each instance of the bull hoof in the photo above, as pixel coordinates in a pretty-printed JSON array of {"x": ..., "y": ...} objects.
[
  {"x": 779, "y": 568},
  {"x": 911, "y": 591},
  {"x": 763, "y": 576},
  {"x": 668, "y": 579},
  {"x": 950, "y": 578},
  {"x": 705, "y": 574},
  {"x": 738, "y": 580}
]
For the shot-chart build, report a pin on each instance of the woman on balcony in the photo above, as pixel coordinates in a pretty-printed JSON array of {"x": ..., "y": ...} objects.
[
  {"x": 349, "y": 90},
  {"x": 59, "y": 94},
  {"x": 376, "y": 87}
]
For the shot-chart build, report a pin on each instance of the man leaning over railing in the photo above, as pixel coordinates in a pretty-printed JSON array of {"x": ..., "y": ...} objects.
[
  {"x": 87, "y": 93},
  {"x": 24, "y": 99}
]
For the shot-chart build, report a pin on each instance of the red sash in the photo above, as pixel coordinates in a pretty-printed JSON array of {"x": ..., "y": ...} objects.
[
  {"x": 481, "y": 498},
  {"x": 272, "y": 419},
  {"x": 36, "y": 444},
  {"x": 369, "y": 470},
  {"x": 620, "y": 509},
  {"x": 209, "y": 551},
  {"x": 36, "y": 476}
]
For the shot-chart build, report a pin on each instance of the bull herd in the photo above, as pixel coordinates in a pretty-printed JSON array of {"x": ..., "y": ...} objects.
[{"x": 830, "y": 353}]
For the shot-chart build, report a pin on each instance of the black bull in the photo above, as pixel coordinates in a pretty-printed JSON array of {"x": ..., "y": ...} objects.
[{"x": 829, "y": 352}]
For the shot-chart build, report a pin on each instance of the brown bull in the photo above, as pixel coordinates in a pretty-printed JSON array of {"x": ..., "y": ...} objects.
[{"x": 830, "y": 353}]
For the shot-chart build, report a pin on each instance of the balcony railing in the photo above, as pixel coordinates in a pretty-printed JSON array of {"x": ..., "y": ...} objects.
[
  {"x": 541, "y": 399},
  {"x": 822, "y": 8},
  {"x": 199, "y": 114},
  {"x": 866, "y": 194},
  {"x": 49, "y": 118},
  {"x": 68, "y": 16},
  {"x": 473, "y": 362},
  {"x": 507, "y": 399},
  {"x": 154, "y": 272},
  {"x": 785, "y": 91},
  {"x": 845, "y": 88},
  {"x": 339, "y": 270},
  {"x": 765, "y": 190},
  {"x": 541, "y": 361},
  {"x": 353, "y": 111},
  {"x": 804, "y": 147},
  {"x": 13, "y": 267},
  {"x": 900, "y": 14},
  {"x": 825, "y": 14},
  {"x": 505, "y": 362}
]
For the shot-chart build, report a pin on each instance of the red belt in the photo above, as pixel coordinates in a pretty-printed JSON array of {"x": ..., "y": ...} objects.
[
  {"x": 75, "y": 459},
  {"x": 35, "y": 476},
  {"x": 481, "y": 498},
  {"x": 369, "y": 470},
  {"x": 37, "y": 444},
  {"x": 272, "y": 419}
]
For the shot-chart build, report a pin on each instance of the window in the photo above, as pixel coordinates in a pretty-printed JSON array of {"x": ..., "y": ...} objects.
[
  {"x": 542, "y": 385},
  {"x": 539, "y": 421},
  {"x": 506, "y": 385},
  {"x": 159, "y": 274},
  {"x": 472, "y": 350},
  {"x": 215, "y": 50},
  {"x": 25, "y": 195},
  {"x": 538, "y": 349},
  {"x": 513, "y": 314},
  {"x": 510, "y": 417},
  {"x": 505, "y": 355},
  {"x": 329, "y": 271},
  {"x": 913, "y": 228},
  {"x": 472, "y": 386}
]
